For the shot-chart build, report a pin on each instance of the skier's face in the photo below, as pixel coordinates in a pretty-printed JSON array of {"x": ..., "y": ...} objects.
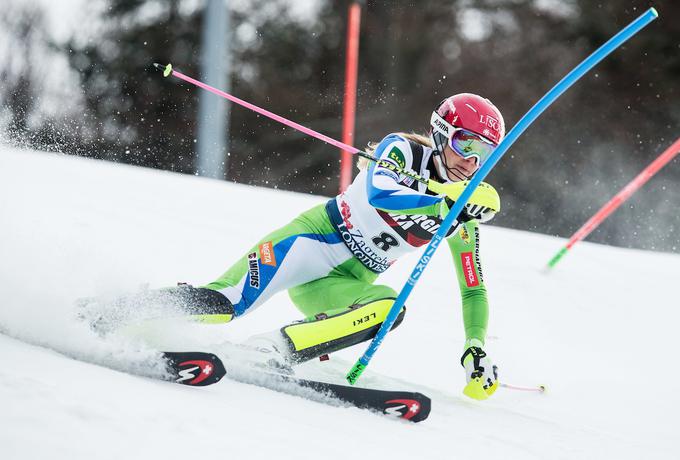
[{"x": 457, "y": 167}]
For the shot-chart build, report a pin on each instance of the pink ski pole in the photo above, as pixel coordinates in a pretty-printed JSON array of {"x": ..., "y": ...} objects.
[
  {"x": 537, "y": 389},
  {"x": 618, "y": 199},
  {"x": 431, "y": 183},
  {"x": 168, "y": 70}
]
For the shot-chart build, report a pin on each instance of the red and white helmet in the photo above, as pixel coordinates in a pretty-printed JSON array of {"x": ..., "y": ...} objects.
[{"x": 470, "y": 124}]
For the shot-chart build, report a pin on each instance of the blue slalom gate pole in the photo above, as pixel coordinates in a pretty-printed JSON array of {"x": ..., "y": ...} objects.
[{"x": 550, "y": 97}]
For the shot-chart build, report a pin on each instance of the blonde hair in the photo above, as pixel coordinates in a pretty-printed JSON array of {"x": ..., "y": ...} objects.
[{"x": 421, "y": 139}]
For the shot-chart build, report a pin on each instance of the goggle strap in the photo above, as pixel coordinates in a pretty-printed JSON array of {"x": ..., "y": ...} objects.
[
  {"x": 441, "y": 125},
  {"x": 448, "y": 130}
]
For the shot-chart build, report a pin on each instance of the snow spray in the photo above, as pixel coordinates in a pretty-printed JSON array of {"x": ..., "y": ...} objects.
[{"x": 618, "y": 199}]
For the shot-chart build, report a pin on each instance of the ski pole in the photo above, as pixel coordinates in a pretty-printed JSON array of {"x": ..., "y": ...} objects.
[
  {"x": 484, "y": 194},
  {"x": 453, "y": 191},
  {"x": 618, "y": 199},
  {"x": 168, "y": 71},
  {"x": 537, "y": 389},
  {"x": 580, "y": 70}
]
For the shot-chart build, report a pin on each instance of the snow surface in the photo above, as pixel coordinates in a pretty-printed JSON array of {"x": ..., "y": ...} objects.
[{"x": 600, "y": 332}]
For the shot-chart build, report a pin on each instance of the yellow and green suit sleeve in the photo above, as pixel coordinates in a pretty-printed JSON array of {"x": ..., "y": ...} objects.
[{"x": 464, "y": 245}]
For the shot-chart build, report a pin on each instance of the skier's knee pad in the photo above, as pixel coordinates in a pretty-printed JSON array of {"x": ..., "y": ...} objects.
[
  {"x": 327, "y": 334},
  {"x": 202, "y": 304}
]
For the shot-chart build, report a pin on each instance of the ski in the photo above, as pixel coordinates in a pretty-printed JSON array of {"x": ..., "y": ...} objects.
[
  {"x": 407, "y": 405},
  {"x": 196, "y": 368}
]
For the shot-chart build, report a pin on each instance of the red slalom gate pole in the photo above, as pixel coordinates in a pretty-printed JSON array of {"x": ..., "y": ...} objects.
[
  {"x": 350, "y": 98},
  {"x": 618, "y": 199}
]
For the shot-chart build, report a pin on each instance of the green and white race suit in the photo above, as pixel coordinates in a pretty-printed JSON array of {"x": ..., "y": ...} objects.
[{"x": 329, "y": 257}]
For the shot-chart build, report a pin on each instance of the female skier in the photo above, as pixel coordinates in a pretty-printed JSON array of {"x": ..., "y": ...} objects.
[{"x": 329, "y": 256}]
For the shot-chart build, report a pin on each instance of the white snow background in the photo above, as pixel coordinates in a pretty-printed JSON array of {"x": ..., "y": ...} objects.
[{"x": 600, "y": 332}]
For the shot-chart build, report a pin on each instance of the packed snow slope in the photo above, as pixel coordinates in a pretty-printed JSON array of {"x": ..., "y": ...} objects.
[{"x": 600, "y": 332}]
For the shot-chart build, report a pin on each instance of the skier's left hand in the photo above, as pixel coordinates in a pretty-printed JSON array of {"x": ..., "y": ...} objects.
[{"x": 481, "y": 374}]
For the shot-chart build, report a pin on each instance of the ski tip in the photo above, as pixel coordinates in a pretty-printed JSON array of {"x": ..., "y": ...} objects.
[
  {"x": 413, "y": 407},
  {"x": 654, "y": 12},
  {"x": 194, "y": 368},
  {"x": 425, "y": 408}
]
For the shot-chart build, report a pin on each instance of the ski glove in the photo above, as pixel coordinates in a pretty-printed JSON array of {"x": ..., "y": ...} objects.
[
  {"x": 480, "y": 373},
  {"x": 482, "y": 205},
  {"x": 473, "y": 211},
  {"x": 481, "y": 213}
]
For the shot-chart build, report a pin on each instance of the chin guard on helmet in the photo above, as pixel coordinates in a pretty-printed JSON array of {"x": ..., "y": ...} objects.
[
  {"x": 439, "y": 141},
  {"x": 440, "y": 166}
]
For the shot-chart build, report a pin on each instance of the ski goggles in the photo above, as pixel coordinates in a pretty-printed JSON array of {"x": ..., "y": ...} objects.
[{"x": 465, "y": 143}]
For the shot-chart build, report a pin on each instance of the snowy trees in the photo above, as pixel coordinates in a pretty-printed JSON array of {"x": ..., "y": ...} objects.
[{"x": 289, "y": 59}]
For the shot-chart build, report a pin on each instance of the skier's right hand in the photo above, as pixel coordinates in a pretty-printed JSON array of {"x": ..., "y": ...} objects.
[
  {"x": 484, "y": 194},
  {"x": 475, "y": 211},
  {"x": 482, "y": 205}
]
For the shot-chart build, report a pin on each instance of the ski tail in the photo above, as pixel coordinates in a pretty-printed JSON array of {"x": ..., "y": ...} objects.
[{"x": 193, "y": 368}]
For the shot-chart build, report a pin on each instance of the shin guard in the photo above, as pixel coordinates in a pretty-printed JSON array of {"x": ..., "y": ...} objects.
[{"x": 327, "y": 334}]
